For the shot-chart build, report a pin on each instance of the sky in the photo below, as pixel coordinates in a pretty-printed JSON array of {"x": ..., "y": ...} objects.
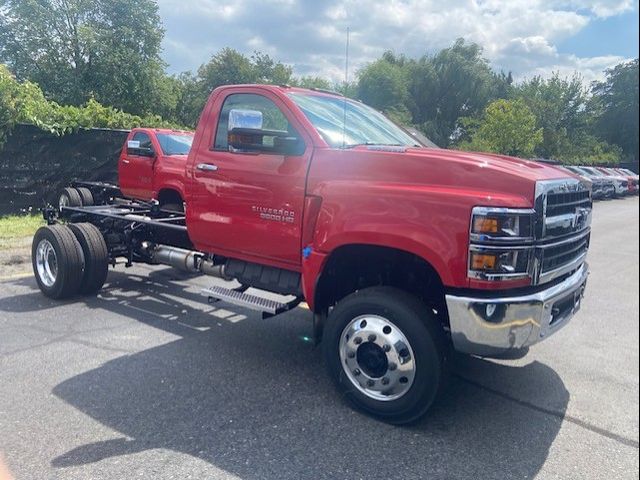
[{"x": 526, "y": 37}]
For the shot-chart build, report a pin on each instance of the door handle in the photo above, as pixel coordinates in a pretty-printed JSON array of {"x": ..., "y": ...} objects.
[
  {"x": 124, "y": 160},
  {"x": 207, "y": 167}
]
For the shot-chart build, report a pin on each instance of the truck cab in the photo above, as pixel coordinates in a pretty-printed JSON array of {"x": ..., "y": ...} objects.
[{"x": 152, "y": 165}]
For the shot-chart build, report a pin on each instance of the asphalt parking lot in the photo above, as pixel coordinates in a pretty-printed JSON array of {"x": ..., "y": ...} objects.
[{"x": 147, "y": 381}]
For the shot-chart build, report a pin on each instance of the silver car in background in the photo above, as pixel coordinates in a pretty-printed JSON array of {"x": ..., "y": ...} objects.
[
  {"x": 603, "y": 187},
  {"x": 620, "y": 183}
]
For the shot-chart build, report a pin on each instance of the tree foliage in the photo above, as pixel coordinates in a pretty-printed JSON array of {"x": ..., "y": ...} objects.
[
  {"x": 507, "y": 127},
  {"x": 433, "y": 92},
  {"x": 76, "y": 50},
  {"x": 226, "y": 67},
  {"x": 79, "y": 63},
  {"x": 614, "y": 106},
  {"x": 25, "y": 103},
  {"x": 558, "y": 105}
]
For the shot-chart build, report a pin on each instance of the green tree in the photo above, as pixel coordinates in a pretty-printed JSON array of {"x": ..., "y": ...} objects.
[
  {"x": 270, "y": 71},
  {"x": 615, "y": 107},
  {"x": 559, "y": 107},
  {"x": 383, "y": 85},
  {"x": 7, "y": 102},
  {"x": 227, "y": 67},
  {"x": 81, "y": 49},
  {"x": 507, "y": 127},
  {"x": 25, "y": 103},
  {"x": 313, "y": 82},
  {"x": 456, "y": 82}
]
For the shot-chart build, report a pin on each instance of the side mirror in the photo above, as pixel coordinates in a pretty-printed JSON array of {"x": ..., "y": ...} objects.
[
  {"x": 245, "y": 134},
  {"x": 264, "y": 141},
  {"x": 134, "y": 148}
]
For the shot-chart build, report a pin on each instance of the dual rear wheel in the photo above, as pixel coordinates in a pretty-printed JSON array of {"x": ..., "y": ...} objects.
[
  {"x": 75, "y": 197},
  {"x": 68, "y": 260}
]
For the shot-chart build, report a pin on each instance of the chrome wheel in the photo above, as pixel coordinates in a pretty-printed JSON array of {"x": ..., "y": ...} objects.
[
  {"x": 46, "y": 263},
  {"x": 377, "y": 357},
  {"x": 63, "y": 201}
]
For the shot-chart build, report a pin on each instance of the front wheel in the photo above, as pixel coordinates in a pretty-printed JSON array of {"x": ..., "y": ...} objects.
[{"x": 386, "y": 352}]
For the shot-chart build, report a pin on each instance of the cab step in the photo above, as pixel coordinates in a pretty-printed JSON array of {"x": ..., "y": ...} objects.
[{"x": 237, "y": 297}]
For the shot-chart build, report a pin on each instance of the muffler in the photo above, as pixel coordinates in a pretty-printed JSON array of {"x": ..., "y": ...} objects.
[{"x": 187, "y": 261}]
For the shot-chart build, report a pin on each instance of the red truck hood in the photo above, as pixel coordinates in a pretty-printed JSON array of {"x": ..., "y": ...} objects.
[
  {"x": 494, "y": 177},
  {"x": 492, "y": 162}
]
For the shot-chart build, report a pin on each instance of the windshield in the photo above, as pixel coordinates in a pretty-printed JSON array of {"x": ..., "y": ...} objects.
[
  {"x": 363, "y": 126},
  {"x": 174, "y": 143},
  {"x": 593, "y": 171},
  {"x": 580, "y": 171}
]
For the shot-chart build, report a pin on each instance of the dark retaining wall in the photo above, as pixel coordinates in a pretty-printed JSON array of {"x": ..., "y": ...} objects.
[{"x": 35, "y": 165}]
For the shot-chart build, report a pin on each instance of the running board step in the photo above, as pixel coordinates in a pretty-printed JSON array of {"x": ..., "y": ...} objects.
[{"x": 266, "y": 306}]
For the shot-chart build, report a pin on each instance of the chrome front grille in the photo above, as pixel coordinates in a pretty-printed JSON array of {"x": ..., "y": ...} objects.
[
  {"x": 562, "y": 203},
  {"x": 563, "y": 225},
  {"x": 556, "y": 256}
]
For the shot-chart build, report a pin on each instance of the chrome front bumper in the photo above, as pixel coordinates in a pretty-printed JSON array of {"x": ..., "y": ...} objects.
[{"x": 495, "y": 325}]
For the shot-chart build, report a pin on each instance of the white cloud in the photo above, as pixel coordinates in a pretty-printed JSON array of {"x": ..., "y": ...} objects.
[
  {"x": 600, "y": 8},
  {"x": 518, "y": 35}
]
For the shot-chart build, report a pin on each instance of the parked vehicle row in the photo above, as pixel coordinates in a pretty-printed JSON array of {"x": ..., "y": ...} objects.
[{"x": 607, "y": 182}]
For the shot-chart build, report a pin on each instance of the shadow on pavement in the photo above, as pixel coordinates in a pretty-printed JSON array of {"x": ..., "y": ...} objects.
[{"x": 251, "y": 398}]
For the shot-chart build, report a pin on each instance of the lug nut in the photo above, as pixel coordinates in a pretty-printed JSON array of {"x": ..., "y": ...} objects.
[
  {"x": 386, "y": 348},
  {"x": 372, "y": 337},
  {"x": 370, "y": 383},
  {"x": 357, "y": 340},
  {"x": 385, "y": 381},
  {"x": 351, "y": 354},
  {"x": 392, "y": 366},
  {"x": 356, "y": 372}
]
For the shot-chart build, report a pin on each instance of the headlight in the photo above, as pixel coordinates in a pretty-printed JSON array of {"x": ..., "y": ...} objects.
[
  {"x": 501, "y": 243},
  {"x": 502, "y": 224}
]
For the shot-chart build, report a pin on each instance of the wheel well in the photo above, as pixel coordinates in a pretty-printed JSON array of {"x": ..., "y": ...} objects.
[
  {"x": 168, "y": 195},
  {"x": 354, "y": 267}
]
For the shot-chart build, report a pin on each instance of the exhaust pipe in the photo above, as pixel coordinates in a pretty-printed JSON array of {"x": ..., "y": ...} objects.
[{"x": 187, "y": 261}]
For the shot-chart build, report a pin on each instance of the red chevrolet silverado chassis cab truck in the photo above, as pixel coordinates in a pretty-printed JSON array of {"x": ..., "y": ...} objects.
[
  {"x": 152, "y": 165},
  {"x": 403, "y": 253}
]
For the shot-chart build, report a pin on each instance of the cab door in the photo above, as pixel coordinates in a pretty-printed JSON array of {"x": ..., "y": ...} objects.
[
  {"x": 248, "y": 203},
  {"x": 135, "y": 168}
]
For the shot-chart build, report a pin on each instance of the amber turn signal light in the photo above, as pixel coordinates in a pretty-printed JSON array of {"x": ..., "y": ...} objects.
[
  {"x": 482, "y": 261},
  {"x": 485, "y": 225}
]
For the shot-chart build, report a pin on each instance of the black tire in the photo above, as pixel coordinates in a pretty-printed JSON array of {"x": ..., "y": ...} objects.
[
  {"x": 426, "y": 339},
  {"x": 96, "y": 257},
  {"x": 69, "y": 261},
  {"x": 69, "y": 197},
  {"x": 86, "y": 196},
  {"x": 173, "y": 207}
]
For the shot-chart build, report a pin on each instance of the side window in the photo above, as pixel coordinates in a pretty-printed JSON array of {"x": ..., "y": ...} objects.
[
  {"x": 272, "y": 117},
  {"x": 144, "y": 139}
]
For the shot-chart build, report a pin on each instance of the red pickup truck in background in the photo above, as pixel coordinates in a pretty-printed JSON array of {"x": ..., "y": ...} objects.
[
  {"x": 152, "y": 166},
  {"x": 403, "y": 253}
]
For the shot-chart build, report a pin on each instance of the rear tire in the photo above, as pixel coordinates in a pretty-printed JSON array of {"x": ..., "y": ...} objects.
[
  {"x": 57, "y": 261},
  {"x": 69, "y": 197},
  {"x": 96, "y": 257},
  {"x": 386, "y": 353},
  {"x": 86, "y": 196}
]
